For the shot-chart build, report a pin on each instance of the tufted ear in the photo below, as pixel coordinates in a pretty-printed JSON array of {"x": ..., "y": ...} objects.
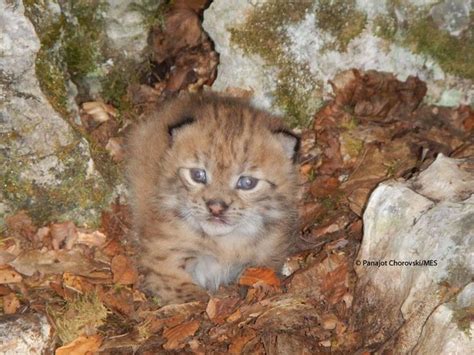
[
  {"x": 175, "y": 127},
  {"x": 290, "y": 143}
]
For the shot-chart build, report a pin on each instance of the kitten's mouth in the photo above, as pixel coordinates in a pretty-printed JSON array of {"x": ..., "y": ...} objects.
[
  {"x": 216, "y": 226},
  {"x": 214, "y": 219}
]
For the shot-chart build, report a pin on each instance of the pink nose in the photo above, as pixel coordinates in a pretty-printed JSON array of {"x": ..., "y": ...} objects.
[{"x": 216, "y": 207}]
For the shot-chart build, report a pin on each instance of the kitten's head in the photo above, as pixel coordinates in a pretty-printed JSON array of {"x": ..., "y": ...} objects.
[{"x": 230, "y": 168}]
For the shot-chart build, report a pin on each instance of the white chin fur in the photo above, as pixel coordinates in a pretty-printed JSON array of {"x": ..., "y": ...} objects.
[
  {"x": 246, "y": 228},
  {"x": 216, "y": 229}
]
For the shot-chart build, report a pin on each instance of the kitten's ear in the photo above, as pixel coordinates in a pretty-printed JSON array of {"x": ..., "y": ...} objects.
[
  {"x": 176, "y": 127},
  {"x": 290, "y": 143}
]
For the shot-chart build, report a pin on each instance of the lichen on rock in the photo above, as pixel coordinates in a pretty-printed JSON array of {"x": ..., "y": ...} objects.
[
  {"x": 413, "y": 265},
  {"x": 286, "y": 52},
  {"x": 45, "y": 165}
]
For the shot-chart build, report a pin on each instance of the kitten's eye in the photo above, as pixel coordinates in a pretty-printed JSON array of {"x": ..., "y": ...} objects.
[
  {"x": 198, "y": 175},
  {"x": 246, "y": 183}
]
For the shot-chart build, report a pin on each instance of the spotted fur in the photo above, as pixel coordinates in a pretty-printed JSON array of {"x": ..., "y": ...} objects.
[{"x": 183, "y": 251}]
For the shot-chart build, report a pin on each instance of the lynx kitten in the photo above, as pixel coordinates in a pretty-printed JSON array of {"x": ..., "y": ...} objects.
[{"x": 214, "y": 187}]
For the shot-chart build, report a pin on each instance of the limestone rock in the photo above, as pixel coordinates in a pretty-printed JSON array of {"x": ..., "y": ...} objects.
[
  {"x": 452, "y": 15},
  {"x": 286, "y": 52},
  {"x": 447, "y": 329},
  {"x": 415, "y": 257},
  {"x": 250, "y": 72},
  {"x": 125, "y": 28},
  {"x": 44, "y": 166},
  {"x": 24, "y": 334}
]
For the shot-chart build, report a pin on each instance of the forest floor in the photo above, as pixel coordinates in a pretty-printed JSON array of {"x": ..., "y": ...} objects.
[{"x": 375, "y": 128}]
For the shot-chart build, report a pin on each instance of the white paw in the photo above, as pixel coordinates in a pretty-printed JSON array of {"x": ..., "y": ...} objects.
[{"x": 208, "y": 273}]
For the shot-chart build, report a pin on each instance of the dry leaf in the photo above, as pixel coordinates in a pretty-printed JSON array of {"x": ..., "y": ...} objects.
[
  {"x": 77, "y": 283},
  {"x": 358, "y": 199},
  {"x": 115, "y": 148},
  {"x": 325, "y": 343},
  {"x": 195, "y": 5},
  {"x": 306, "y": 169},
  {"x": 20, "y": 225},
  {"x": 80, "y": 346},
  {"x": 239, "y": 343},
  {"x": 41, "y": 234},
  {"x": 177, "y": 335},
  {"x": 328, "y": 278},
  {"x": 254, "y": 275},
  {"x": 309, "y": 212},
  {"x": 329, "y": 321},
  {"x": 63, "y": 234},
  {"x": 99, "y": 111},
  {"x": 234, "y": 316},
  {"x": 120, "y": 299},
  {"x": 8, "y": 275},
  {"x": 123, "y": 270},
  {"x": 156, "y": 324},
  {"x": 182, "y": 30},
  {"x": 138, "y": 296},
  {"x": 218, "y": 309},
  {"x": 113, "y": 248},
  {"x": 102, "y": 133},
  {"x": 94, "y": 239},
  {"x": 11, "y": 303},
  {"x": 377, "y": 94},
  {"x": 56, "y": 262},
  {"x": 4, "y": 290}
]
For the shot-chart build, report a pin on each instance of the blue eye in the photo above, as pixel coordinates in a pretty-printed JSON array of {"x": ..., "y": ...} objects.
[
  {"x": 246, "y": 183},
  {"x": 198, "y": 175}
]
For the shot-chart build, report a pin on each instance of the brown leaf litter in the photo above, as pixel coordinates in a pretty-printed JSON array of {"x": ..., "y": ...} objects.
[
  {"x": 375, "y": 128},
  {"x": 355, "y": 143}
]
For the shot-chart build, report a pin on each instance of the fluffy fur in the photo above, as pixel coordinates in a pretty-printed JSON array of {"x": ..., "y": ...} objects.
[{"x": 185, "y": 249}]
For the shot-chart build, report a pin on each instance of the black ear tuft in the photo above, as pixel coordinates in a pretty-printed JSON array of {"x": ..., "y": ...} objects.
[
  {"x": 290, "y": 141},
  {"x": 185, "y": 120}
]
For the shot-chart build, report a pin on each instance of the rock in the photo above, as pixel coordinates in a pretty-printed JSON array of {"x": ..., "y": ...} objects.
[
  {"x": 125, "y": 28},
  {"x": 452, "y": 15},
  {"x": 414, "y": 259},
  {"x": 286, "y": 52},
  {"x": 250, "y": 71},
  {"x": 448, "y": 328},
  {"x": 45, "y": 167},
  {"x": 24, "y": 334}
]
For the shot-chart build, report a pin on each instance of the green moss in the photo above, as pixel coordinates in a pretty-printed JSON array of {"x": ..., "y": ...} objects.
[
  {"x": 51, "y": 70},
  {"x": 385, "y": 26},
  {"x": 350, "y": 124},
  {"x": 52, "y": 79},
  {"x": 152, "y": 11},
  {"x": 109, "y": 170},
  {"x": 294, "y": 93},
  {"x": 83, "y": 314},
  {"x": 76, "y": 198},
  {"x": 263, "y": 34},
  {"x": 115, "y": 85},
  {"x": 393, "y": 167},
  {"x": 82, "y": 37},
  {"x": 352, "y": 145},
  {"x": 463, "y": 318},
  {"x": 341, "y": 19},
  {"x": 70, "y": 45},
  {"x": 328, "y": 203},
  {"x": 454, "y": 54}
]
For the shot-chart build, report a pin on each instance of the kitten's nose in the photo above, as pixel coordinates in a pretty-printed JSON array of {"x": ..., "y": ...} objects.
[{"x": 216, "y": 207}]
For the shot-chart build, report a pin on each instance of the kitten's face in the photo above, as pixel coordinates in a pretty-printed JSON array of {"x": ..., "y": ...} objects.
[{"x": 229, "y": 178}]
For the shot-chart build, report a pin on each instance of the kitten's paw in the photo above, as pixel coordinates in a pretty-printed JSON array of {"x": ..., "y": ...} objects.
[{"x": 207, "y": 272}]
